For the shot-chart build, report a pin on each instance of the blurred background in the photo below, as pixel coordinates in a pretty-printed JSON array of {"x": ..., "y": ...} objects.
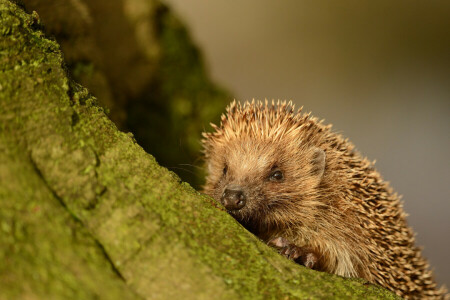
[{"x": 379, "y": 71}]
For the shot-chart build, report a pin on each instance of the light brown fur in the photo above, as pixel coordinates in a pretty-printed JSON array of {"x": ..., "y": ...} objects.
[{"x": 347, "y": 213}]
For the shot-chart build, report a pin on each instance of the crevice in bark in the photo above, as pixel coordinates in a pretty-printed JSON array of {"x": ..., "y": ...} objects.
[{"x": 74, "y": 216}]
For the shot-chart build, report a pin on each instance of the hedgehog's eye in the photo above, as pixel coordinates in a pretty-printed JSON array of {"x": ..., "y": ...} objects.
[
  {"x": 276, "y": 175},
  {"x": 225, "y": 170}
]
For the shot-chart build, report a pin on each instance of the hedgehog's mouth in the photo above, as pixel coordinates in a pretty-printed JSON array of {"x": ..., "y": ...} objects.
[{"x": 254, "y": 219}]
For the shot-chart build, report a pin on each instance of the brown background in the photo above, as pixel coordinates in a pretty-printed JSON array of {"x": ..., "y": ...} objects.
[{"x": 377, "y": 70}]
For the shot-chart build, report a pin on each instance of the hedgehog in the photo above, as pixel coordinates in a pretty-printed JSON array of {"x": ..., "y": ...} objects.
[{"x": 305, "y": 190}]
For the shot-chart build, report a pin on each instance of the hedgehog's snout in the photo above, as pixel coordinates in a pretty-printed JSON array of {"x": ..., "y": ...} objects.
[{"x": 233, "y": 198}]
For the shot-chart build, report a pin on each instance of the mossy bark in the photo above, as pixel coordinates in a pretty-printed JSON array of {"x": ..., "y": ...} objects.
[
  {"x": 86, "y": 213},
  {"x": 137, "y": 58}
]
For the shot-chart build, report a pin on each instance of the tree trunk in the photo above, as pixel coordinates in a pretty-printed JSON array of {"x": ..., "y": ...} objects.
[{"x": 86, "y": 213}]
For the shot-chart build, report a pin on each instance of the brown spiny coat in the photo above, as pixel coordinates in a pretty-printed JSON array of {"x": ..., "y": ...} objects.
[{"x": 341, "y": 208}]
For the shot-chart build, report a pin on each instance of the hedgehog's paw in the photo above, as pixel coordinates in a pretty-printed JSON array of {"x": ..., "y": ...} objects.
[
  {"x": 309, "y": 260},
  {"x": 302, "y": 255}
]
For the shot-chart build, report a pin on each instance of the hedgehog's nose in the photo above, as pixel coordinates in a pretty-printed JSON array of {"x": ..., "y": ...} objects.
[{"x": 233, "y": 199}]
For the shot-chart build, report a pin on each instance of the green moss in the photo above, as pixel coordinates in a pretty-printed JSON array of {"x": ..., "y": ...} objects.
[
  {"x": 87, "y": 206},
  {"x": 44, "y": 251}
]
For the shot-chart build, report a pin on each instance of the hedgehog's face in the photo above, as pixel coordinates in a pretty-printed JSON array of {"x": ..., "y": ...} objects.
[{"x": 257, "y": 181}]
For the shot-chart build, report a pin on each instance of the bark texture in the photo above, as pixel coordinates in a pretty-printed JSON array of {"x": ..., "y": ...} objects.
[{"x": 86, "y": 213}]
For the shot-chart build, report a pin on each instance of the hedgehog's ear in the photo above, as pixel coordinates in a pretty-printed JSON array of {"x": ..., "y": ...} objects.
[{"x": 318, "y": 163}]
